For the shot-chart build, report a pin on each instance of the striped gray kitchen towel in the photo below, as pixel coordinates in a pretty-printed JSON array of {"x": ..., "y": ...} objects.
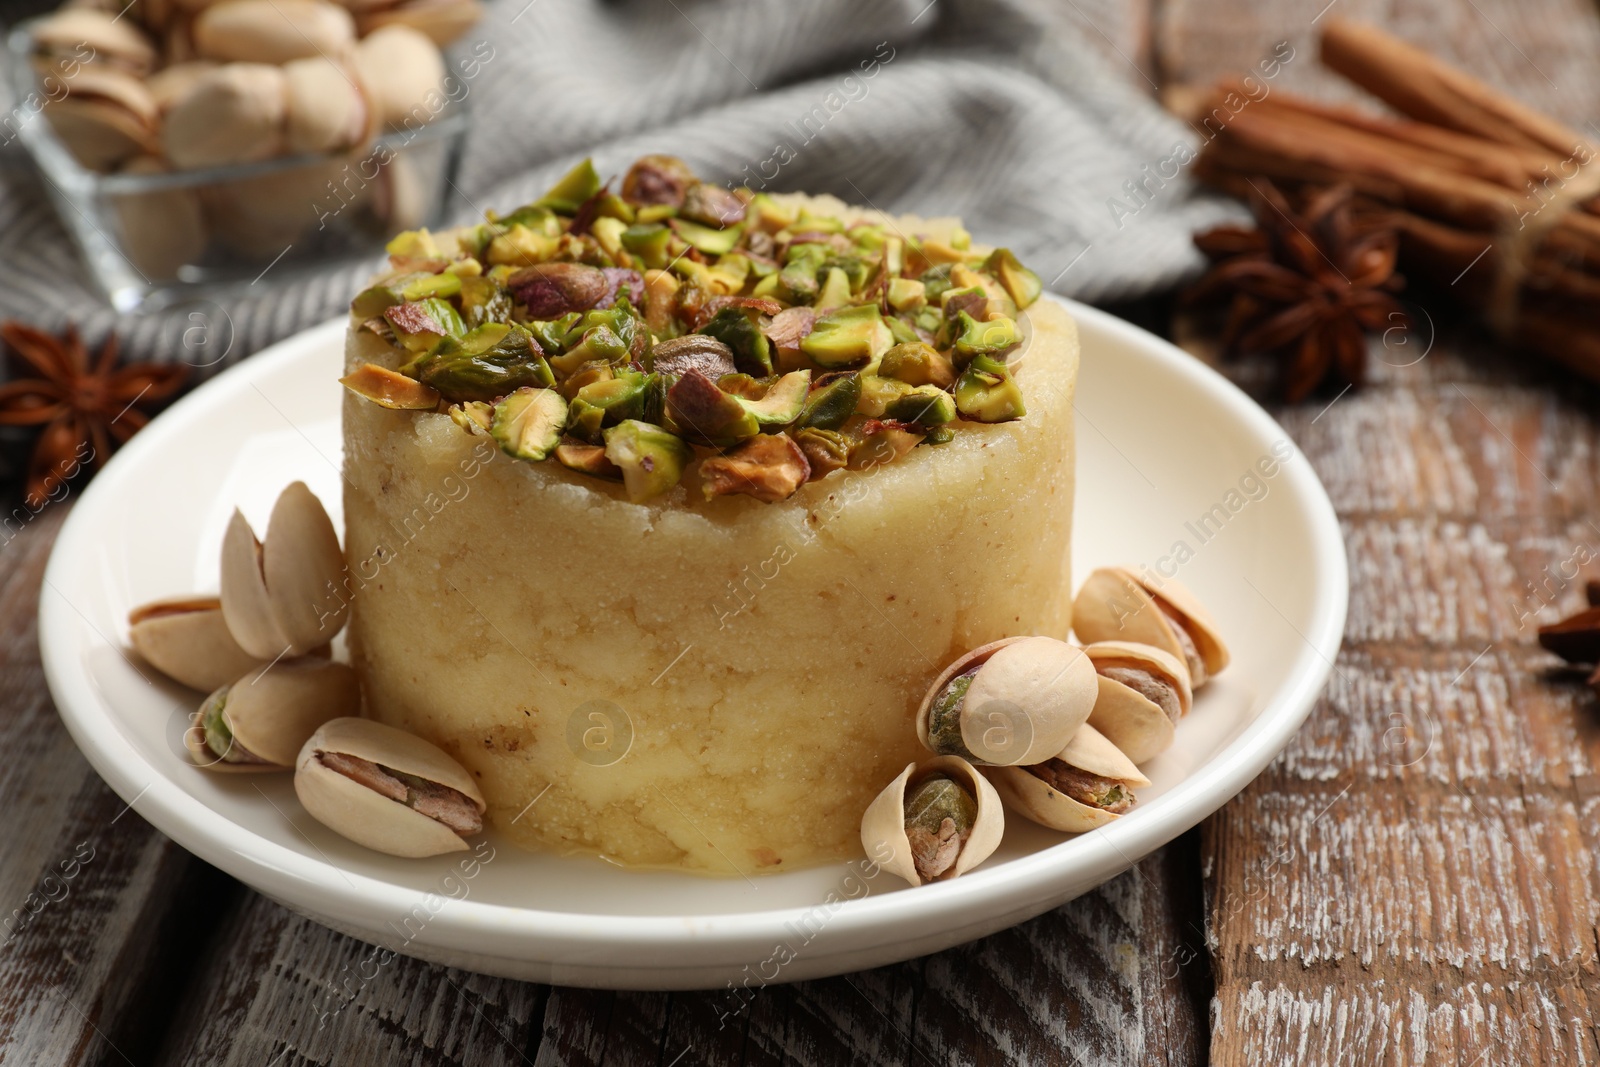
[{"x": 1001, "y": 111}]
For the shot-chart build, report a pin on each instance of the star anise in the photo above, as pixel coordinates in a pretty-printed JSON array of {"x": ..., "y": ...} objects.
[
  {"x": 86, "y": 408},
  {"x": 1305, "y": 284}
]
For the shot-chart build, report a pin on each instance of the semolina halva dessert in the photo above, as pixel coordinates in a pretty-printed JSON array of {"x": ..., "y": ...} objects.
[{"x": 666, "y": 506}]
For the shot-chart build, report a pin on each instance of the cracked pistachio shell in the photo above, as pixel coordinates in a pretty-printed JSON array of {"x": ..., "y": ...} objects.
[
  {"x": 325, "y": 108},
  {"x": 1032, "y": 797},
  {"x": 271, "y": 31},
  {"x": 109, "y": 117},
  {"x": 352, "y": 810},
  {"x": 1115, "y": 604},
  {"x": 1029, "y": 696},
  {"x": 114, "y": 40},
  {"x": 883, "y": 827},
  {"x": 442, "y": 20},
  {"x": 282, "y": 595},
  {"x": 187, "y": 639},
  {"x": 1131, "y": 721},
  {"x": 402, "y": 71},
  {"x": 272, "y": 711},
  {"x": 230, "y": 114}
]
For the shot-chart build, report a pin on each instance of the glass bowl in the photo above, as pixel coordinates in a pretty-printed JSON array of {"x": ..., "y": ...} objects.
[{"x": 153, "y": 239}]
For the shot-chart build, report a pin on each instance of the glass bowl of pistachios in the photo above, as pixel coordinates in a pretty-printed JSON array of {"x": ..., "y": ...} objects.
[{"x": 188, "y": 144}]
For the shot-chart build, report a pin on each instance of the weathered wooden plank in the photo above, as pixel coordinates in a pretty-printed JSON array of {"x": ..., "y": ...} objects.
[{"x": 99, "y": 914}]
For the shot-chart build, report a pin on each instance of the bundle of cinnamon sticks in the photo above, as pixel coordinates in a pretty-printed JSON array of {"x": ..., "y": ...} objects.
[{"x": 1495, "y": 204}]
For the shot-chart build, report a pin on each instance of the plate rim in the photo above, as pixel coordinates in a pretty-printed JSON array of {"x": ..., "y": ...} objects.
[{"x": 484, "y": 928}]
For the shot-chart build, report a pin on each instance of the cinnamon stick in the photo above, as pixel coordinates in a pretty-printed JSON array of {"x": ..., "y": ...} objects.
[{"x": 1426, "y": 88}]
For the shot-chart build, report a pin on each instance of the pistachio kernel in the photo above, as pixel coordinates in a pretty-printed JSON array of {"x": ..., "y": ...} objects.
[{"x": 939, "y": 817}]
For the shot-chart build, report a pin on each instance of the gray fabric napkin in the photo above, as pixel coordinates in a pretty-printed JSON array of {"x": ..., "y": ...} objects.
[{"x": 1000, "y": 111}]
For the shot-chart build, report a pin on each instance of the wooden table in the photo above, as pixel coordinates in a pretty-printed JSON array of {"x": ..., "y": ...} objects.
[{"x": 1413, "y": 881}]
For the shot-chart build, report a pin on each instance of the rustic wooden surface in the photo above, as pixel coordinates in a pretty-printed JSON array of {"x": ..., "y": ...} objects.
[{"x": 1413, "y": 881}]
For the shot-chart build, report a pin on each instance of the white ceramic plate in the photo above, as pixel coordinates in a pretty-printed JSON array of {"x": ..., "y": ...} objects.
[{"x": 1163, "y": 441}]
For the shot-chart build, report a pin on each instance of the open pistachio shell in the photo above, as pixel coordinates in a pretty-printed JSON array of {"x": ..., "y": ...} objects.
[
  {"x": 326, "y": 108},
  {"x": 186, "y": 639},
  {"x": 272, "y": 31},
  {"x": 109, "y": 39},
  {"x": 230, "y": 114},
  {"x": 442, "y": 20},
  {"x": 282, "y": 596},
  {"x": 1116, "y": 604},
  {"x": 170, "y": 83},
  {"x": 99, "y": 134},
  {"x": 1029, "y": 795},
  {"x": 365, "y": 815},
  {"x": 403, "y": 73},
  {"x": 270, "y": 712},
  {"x": 162, "y": 229},
  {"x": 1027, "y": 698},
  {"x": 1136, "y": 724},
  {"x": 883, "y": 827}
]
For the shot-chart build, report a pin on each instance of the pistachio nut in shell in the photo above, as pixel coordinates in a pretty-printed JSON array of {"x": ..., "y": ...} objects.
[
  {"x": 442, "y": 20},
  {"x": 403, "y": 74},
  {"x": 162, "y": 229},
  {"x": 325, "y": 109},
  {"x": 1088, "y": 784},
  {"x": 100, "y": 135},
  {"x": 71, "y": 33},
  {"x": 230, "y": 114},
  {"x": 187, "y": 639},
  {"x": 259, "y": 722},
  {"x": 271, "y": 31},
  {"x": 282, "y": 596},
  {"x": 923, "y": 830},
  {"x": 387, "y": 789},
  {"x": 1116, "y": 604},
  {"x": 170, "y": 83},
  {"x": 1143, "y": 693},
  {"x": 1014, "y": 701}
]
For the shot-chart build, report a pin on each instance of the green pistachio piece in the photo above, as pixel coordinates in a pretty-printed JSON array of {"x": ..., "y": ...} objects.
[
  {"x": 1023, "y": 285},
  {"x": 599, "y": 342},
  {"x": 744, "y": 386},
  {"x": 484, "y": 300},
  {"x": 883, "y": 443},
  {"x": 907, "y": 294},
  {"x": 769, "y": 467},
  {"x": 877, "y": 393},
  {"x": 767, "y": 215},
  {"x": 370, "y": 303},
  {"x": 712, "y": 205},
  {"x": 552, "y": 334},
  {"x": 485, "y": 364},
  {"x": 935, "y": 280},
  {"x": 797, "y": 281},
  {"x": 855, "y": 269},
  {"x": 826, "y": 450},
  {"x": 420, "y": 324},
  {"x": 535, "y": 218},
  {"x": 986, "y": 392},
  {"x": 440, "y": 285},
  {"x": 710, "y": 241},
  {"x": 925, "y": 404},
  {"x": 608, "y": 231},
  {"x": 611, "y": 401},
  {"x": 767, "y": 286},
  {"x": 832, "y": 402},
  {"x": 413, "y": 244},
  {"x": 916, "y": 363},
  {"x": 736, "y": 328},
  {"x": 651, "y": 459},
  {"x": 817, "y": 224},
  {"x": 835, "y": 291},
  {"x": 783, "y": 402},
  {"x": 700, "y": 411},
  {"x": 939, "y": 435},
  {"x": 596, "y": 370},
  {"x": 586, "y": 458},
  {"x": 527, "y": 423},
  {"x": 657, "y": 181},
  {"x": 578, "y": 185},
  {"x": 989, "y": 338},
  {"x": 474, "y": 416},
  {"x": 848, "y": 336},
  {"x": 651, "y": 242},
  {"x": 902, "y": 333}
]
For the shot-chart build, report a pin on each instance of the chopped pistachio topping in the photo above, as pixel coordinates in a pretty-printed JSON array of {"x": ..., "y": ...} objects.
[{"x": 702, "y": 314}]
